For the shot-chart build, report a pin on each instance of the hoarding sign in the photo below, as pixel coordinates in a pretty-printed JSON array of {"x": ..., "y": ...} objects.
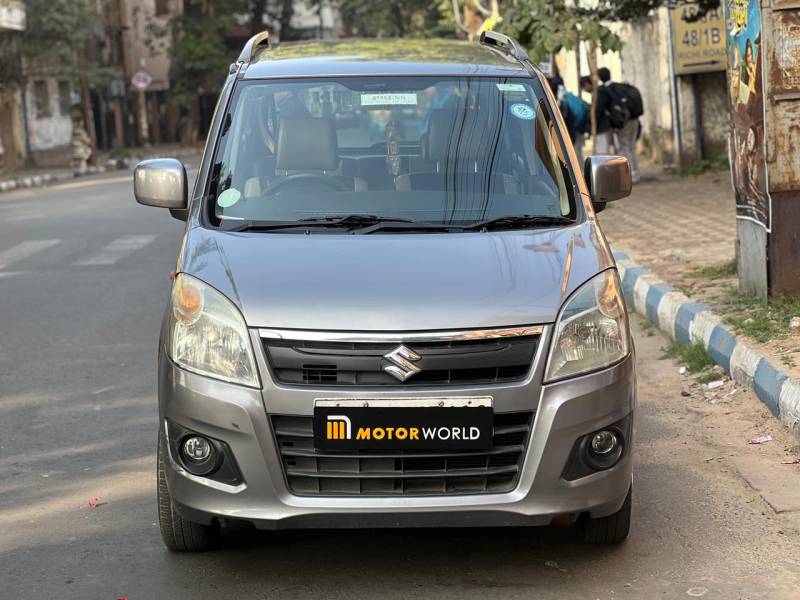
[
  {"x": 697, "y": 46},
  {"x": 747, "y": 140}
]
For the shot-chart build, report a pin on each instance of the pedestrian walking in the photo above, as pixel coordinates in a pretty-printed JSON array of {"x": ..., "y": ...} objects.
[
  {"x": 618, "y": 107},
  {"x": 575, "y": 112},
  {"x": 603, "y": 140},
  {"x": 81, "y": 145}
]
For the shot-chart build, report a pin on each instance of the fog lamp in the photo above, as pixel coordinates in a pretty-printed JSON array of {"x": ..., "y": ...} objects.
[
  {"x": 604, "y": 442},
  {"x": 197, "y": 450}
]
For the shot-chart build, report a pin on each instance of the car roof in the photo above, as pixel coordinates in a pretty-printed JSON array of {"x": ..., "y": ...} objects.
[{"x": 383, "y": 57}]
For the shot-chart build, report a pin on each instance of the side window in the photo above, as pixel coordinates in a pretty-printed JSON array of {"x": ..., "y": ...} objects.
[
  {"x": 64, "y": 98},
  {"x": 41, "y": 99},
  {"x": 162, "y": 7}
]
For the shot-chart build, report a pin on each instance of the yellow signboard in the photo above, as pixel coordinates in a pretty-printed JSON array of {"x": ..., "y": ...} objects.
[{"x": 698, "y": 46}]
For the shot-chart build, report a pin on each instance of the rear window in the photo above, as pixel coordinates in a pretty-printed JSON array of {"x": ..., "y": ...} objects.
[{"x": 428, "y": 149}]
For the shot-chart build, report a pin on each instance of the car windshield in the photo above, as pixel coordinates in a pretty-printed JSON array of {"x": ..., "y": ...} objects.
[{"x": 426, "y": 150}]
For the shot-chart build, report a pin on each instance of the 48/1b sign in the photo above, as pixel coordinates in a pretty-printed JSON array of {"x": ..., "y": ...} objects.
[{"x": 698, "y": 46}]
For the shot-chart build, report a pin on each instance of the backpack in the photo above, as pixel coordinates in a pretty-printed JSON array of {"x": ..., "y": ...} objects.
[
  {"x": 626, "y": 104},
  {"x": 579, "y": 111}
]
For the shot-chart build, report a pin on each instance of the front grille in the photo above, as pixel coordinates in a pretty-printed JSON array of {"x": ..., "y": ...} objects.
[
  {"x": 310, "y": 472},
  {"x": 462, "y": 362}
]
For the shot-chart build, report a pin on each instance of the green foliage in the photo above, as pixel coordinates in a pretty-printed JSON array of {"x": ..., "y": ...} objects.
[
  {"x": 648, "y": 327},
  {"x": 702, "y": 166},
  {"x": 757, "y": 319},
  {"x": 727, "y": 269},
  {"x": 630, "y": 10},
  {"x": 392, "y": 18},
  {"x": 197, "y": 46},
  {"x": 695, "y": 357},
  {"x": 57, "y": 38},
  {"x": 544, "y": 27}
]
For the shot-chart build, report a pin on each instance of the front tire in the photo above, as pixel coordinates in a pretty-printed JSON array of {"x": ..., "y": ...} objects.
[
  {"x": 179, "y": 534},
  {"x": 612, "y": 529}
]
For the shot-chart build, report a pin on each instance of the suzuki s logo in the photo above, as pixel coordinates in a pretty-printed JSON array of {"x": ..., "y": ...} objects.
[
  {"x": 402, "y": 359},
  {"x": 339, "y": 427}
]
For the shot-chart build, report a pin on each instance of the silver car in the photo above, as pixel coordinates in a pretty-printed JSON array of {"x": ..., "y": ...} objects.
[{"x": 393, "y": 306}]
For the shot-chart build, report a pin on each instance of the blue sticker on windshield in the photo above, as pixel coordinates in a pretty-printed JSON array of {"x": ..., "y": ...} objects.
[{"x": 523, "y": 111}]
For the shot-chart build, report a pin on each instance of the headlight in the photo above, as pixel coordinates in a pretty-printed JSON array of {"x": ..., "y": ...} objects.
[
  {"x": 208, "y": 335},
  {"x": 592, "y": 329}
]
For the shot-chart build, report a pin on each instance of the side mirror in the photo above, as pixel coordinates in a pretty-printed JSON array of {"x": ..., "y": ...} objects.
[
  {"x": 162, "y": 182},
  {"x": 608, "y": 179}
]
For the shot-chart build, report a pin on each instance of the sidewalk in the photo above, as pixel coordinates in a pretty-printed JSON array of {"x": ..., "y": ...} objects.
[
  {"x": 675, "y": 224},
  {"x": 674, "y": 240},
  {"x": 37, "y": 177}
]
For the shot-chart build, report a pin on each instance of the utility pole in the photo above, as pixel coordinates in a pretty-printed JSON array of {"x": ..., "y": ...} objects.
[{"x": 764, "y": 82}]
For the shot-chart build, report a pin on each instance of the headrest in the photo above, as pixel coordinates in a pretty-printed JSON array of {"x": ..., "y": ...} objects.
[
  {"x": 440, "y": 134},
  {"x": 306, "y": 144},
  {"x": 454, "y": 132}
]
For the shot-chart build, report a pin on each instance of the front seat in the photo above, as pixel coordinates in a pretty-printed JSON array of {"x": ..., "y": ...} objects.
[
  {"x": 455, "y": 148},
  {"x": 307, "y": 158}
]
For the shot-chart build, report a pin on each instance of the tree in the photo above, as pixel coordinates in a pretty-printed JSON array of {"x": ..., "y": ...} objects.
[
  {"x": 60, "y": 40},
  {"x": 198, "y": 54},
  {"x": 545, "y": 27},
  {"x": 630, "y": 10},
  {"x": 392, "y": 18}
]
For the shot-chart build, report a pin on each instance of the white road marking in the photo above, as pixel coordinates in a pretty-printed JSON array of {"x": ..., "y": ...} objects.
[
  {"x": 119, "y": 248},
  {"x": 24, "y": 250}
]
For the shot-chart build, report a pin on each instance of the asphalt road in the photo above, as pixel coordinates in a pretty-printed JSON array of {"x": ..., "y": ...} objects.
[{"x": 83, "y": 284}]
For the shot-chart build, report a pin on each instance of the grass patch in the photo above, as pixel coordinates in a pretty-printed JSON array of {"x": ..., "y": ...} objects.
[
  {"x": 727, "y": 269},
  {"x": 648, "y": 328},
  {"x": 704, "y": 165},
  {"x": 695, "y": 358},
  {"x": 757, "y": 319},
  {"x": 708, "y": 376}
]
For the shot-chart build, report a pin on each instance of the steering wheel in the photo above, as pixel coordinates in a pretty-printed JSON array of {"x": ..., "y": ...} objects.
[{"x": 299, "y": 179}]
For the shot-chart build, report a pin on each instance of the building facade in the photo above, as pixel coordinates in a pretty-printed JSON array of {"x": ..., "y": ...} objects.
[{"x": 686, "y": 114}]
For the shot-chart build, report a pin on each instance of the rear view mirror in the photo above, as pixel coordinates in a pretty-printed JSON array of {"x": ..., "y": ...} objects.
[
  {"x": 608, "y": 179},
  {"x": 162, "y": 182}
]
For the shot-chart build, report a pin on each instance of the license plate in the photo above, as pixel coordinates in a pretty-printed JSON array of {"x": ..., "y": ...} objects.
[{"x": 410, "y": 424}]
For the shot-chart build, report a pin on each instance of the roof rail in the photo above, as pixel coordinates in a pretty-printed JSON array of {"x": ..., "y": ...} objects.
[
  {"x": 505, "y": 43},
  {"x": 254, "y": 45}
]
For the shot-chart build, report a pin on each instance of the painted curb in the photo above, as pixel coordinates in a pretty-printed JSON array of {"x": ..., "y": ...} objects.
[
  {"x": 690, "y": 322},
  {"x": 35, "y": 181}
]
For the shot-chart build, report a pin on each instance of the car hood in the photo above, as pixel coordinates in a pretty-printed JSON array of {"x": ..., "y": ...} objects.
[{"x": 397, "y": 282}]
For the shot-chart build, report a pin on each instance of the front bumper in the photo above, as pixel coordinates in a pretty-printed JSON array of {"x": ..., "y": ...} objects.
[{"x": 236, "y": 415}]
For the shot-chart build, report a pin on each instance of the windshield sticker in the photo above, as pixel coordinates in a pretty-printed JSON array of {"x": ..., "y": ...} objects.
[
  {"x": 523, "y": 111},
  {"x": 511, "y": 87},
  {"x": 228, "y": 198},
  {"x": 388, "y": 99}
]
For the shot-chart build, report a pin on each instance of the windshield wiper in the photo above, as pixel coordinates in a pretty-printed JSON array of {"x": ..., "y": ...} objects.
[
  {"x": 348, "y": 221},
  {"x": 519, "y": 222},
  {"x": 407, "y": 226},
  {"x": 355, "y": 220}
]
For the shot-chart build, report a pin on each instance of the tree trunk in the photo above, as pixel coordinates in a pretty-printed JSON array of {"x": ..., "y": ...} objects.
[
  {"x": 257, "y": 16},
  {"x": 472, "y": 21},
  {"x": 592, "y": 60},
  {"x": 285, "y": 20},
  {"x": 578, "y": 62},
  {"x": 88, "y": 117}
]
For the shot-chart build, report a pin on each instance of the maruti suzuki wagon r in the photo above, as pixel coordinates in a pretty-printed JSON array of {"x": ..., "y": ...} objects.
[{"x": 393, "y": 305}]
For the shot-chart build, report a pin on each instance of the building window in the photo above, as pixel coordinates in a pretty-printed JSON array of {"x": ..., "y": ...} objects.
[
  {"x": 162, "y": 7},
  {"x": 41, "y": 99},
  {"x": 64, "y": 97}
]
